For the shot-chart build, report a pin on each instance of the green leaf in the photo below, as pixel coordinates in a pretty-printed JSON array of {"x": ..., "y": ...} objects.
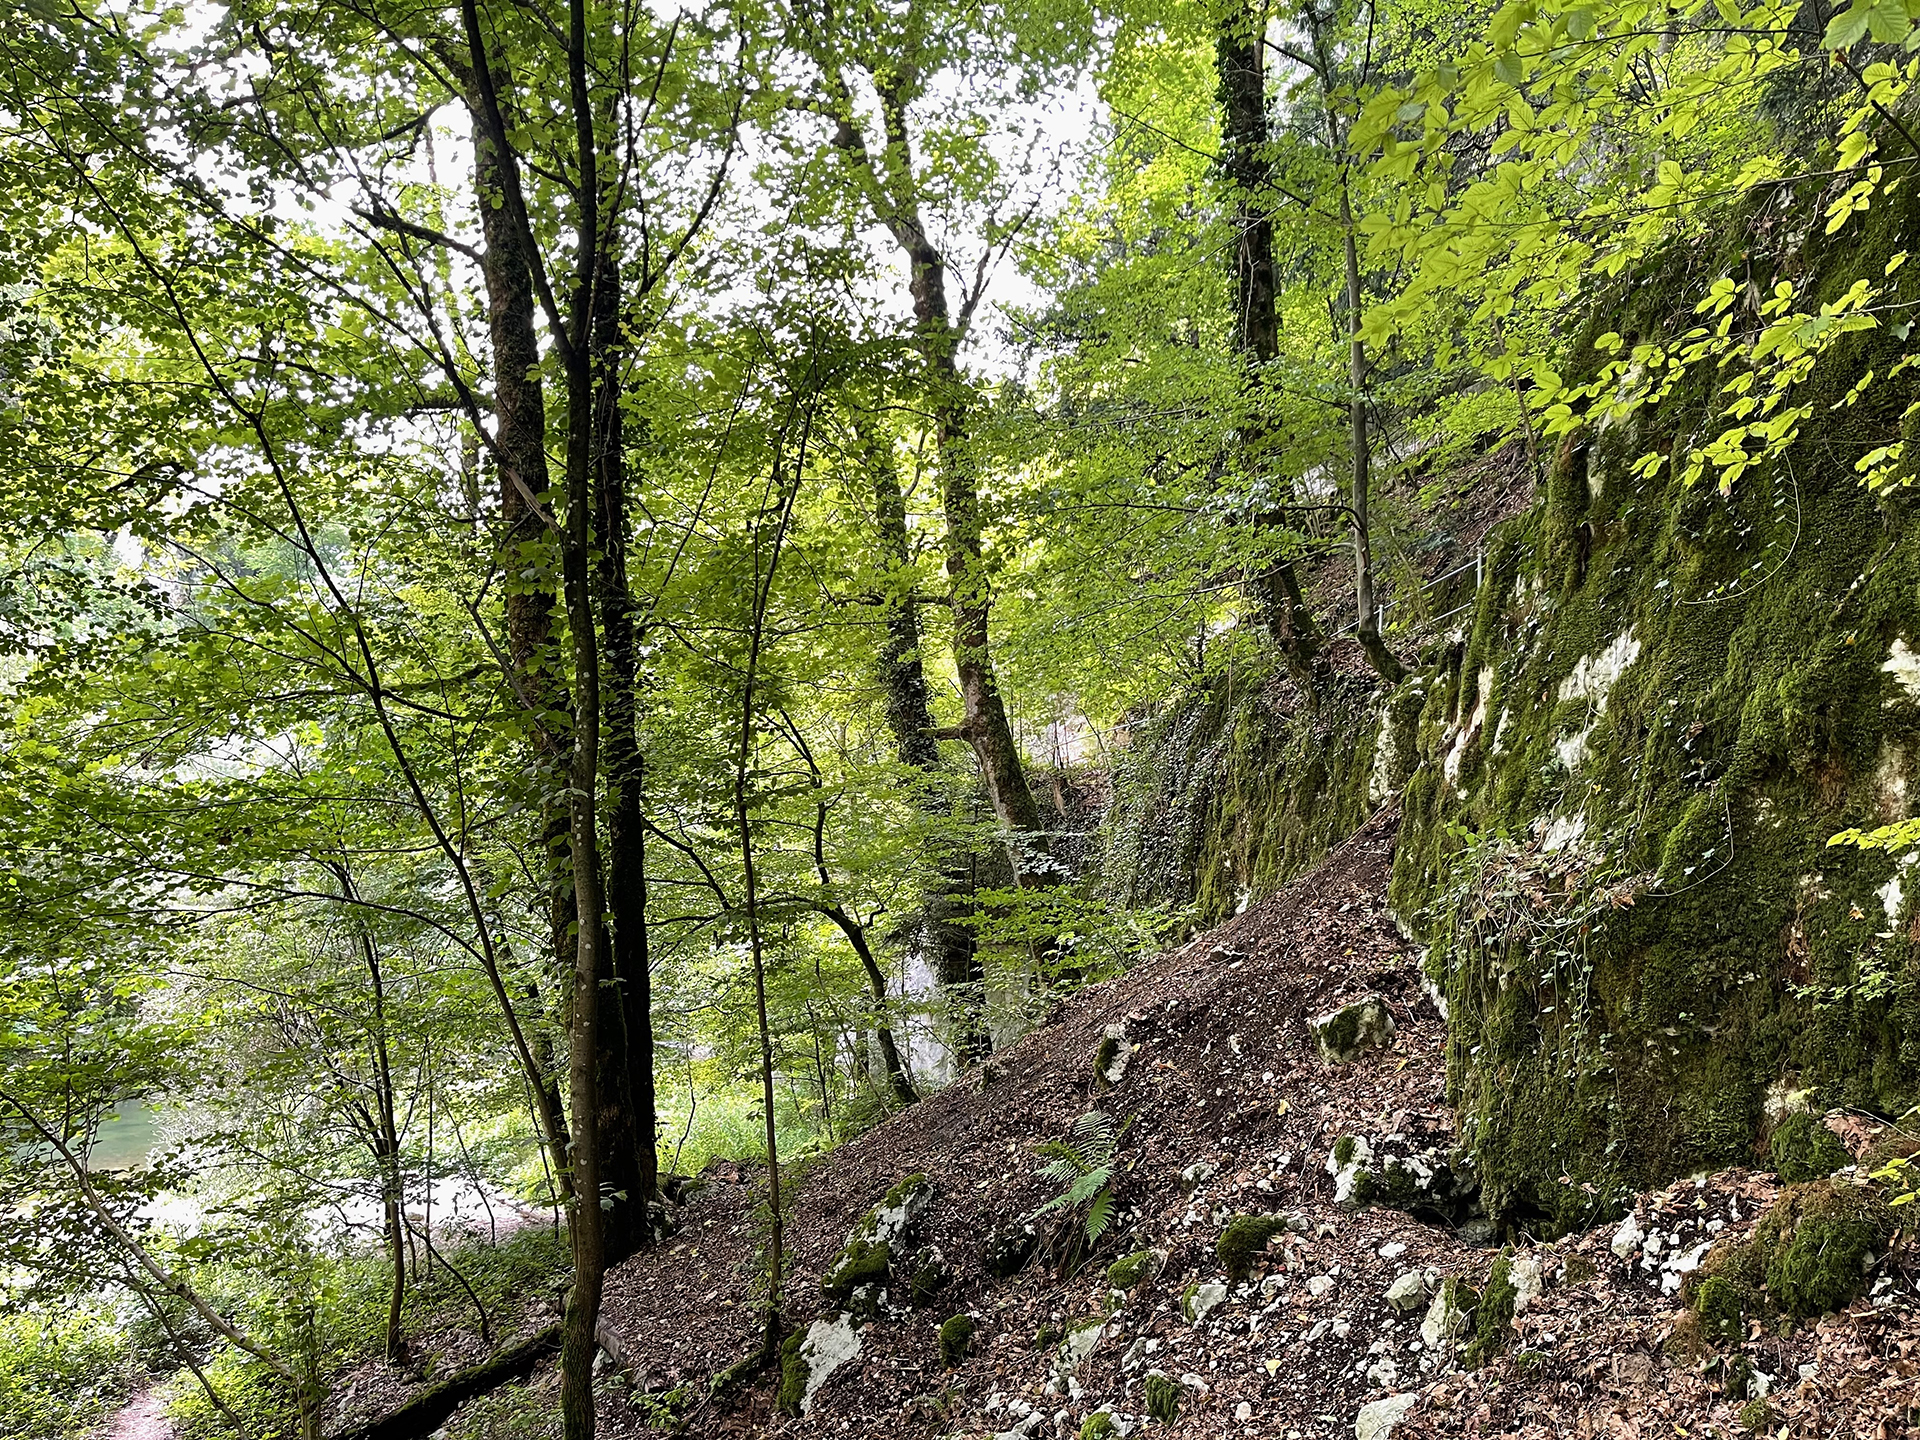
[{"x": 1843, "y": 31}]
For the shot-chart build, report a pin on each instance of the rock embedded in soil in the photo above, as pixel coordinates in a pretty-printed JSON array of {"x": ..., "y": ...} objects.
[
  {"x": 1378, "y": 1417},
  {"x": 1344, "y": 1035}
]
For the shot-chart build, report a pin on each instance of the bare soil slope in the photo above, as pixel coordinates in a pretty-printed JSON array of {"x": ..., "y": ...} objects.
[{"x": 1230, "y": 1110}]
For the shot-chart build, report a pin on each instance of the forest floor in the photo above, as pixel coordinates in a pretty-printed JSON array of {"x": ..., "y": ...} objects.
[{"x": 1229, "y": 1110}]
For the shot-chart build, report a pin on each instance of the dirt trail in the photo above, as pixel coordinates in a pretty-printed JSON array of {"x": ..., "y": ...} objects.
[{"x": 144, "y": 1417}]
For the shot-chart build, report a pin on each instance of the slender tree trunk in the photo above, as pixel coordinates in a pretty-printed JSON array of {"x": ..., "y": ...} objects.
[
  {"x": 1367, "y": 627},
  {"x": 951, "y": 944},
  {"x": 984, "y": 724},
  {"x": 1239, "y": 52},
  {"x": 520, "y": 442},
  {"x": 1360, "y": 476},
  {"x": 629, "y": 1164}
]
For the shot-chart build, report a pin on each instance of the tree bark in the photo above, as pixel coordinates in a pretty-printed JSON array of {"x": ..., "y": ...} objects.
[
  {"x": 1239, "y": 53},
  {"x": 629, "y": 1163},
  {"x": 892, "y": 192},
  {"x": 951, "y": 944},
  {"x": 520, "y": 443}
]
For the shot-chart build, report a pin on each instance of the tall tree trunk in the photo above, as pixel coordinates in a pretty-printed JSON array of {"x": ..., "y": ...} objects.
[
  {"x": 628, "y": 1160},
  {"x": 950, "y": 944},
  {"x": 1239, "y": 51},
  {"x": 520, "y": 445}
]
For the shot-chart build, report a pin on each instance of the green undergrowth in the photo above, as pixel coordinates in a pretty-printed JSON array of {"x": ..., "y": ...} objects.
[
  {"x": 62, "y": 1374},
  {"x": 1690, "y": 940}
]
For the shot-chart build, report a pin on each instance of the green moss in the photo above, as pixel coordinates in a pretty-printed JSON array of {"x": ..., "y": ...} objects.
[
  {"x": 1343, "y": 1149},
  {"x": 1097, "y": 1426},
  {"x": 1342, "y": 1030},
  {"x": 793, "y": 1374},
  {"x": 1756, "y": 1416},
  {"x": 1736, "y": 1380},
  {"x": 1241, "y": 1243},
  {"x": 1160, "y": 1395},
  {"x": 1722, "y": 1307},
  {"x": 905, "y": 1191},
  {"x": 956, "y": 1339},
  {"x": 1131, "y": 1270},
  {"x": 1048, "y": 1336},
  {"x": 1186, "y": 1301},
  {"x": 1816, "y": 1238},
  {"x": 1754, "y": 724},
  {"x": 1235, "y": 790},
  {"x": 861, "y": 1264},
  {"x": 1803, "y": 1148},
  {"x": 1577, "y": 1270},
  {"x": 1493, "y": 1316},
  {"x": 1102, "y": 1059}
]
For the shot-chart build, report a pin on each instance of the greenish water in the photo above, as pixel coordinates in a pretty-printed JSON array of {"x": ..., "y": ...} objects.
[{"x": 127, "y": 1137}]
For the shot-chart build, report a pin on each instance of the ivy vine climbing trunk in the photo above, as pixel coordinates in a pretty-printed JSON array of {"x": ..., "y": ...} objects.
[
  {"x": 520, "y": 453},
  {"x": 629, "y": 1162}
]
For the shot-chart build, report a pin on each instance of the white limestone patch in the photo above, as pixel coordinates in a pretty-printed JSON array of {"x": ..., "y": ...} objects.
[
  {"x": 1595, "y": 675},
  {"x": 1903, "y": 663},
  {"x": 829, "y": 1345},
  {"x": 1564, "y": 832},
  {"x": 1378, "y": 1417},
  {"x": 1450, "y": 767}
]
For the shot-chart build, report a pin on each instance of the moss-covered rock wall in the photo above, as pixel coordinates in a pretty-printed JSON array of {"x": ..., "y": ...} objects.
[
  {"x": 1234, "y": 789},
  {"x": 1668, "y": 700}
]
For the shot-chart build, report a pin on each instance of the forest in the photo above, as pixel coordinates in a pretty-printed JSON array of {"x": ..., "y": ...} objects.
[{"x": 938, "y": 718}]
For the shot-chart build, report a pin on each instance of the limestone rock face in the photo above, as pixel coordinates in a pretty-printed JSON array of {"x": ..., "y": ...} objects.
[{"x": 1344, "y": 1035}]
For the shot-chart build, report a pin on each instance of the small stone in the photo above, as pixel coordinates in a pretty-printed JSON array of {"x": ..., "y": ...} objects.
[
  {"x": 1408, "y": 1293},
  {"x": 1319, "y": 1285},
  {"x": 1626, "y": 1239},
  {"x": 1378, "y": 1417},
  {"x": 1201, "y": 1299},
  {"x": 1446, "y": 1318},
  {"x": 1528, "y": 1279},
  {"x": 1243, "y": 1412},
  {"x": 1392, "y": 1250}
]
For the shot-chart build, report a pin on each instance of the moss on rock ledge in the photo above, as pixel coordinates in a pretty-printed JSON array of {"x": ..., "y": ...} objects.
[{"x": 1673, "y": 698}]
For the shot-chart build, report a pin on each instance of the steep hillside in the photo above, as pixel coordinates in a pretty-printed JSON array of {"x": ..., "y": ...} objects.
[{"x": 1296, "y": 1246}]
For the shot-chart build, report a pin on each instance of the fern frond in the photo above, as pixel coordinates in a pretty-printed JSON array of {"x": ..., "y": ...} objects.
[{"x": 1099, "y": 1216}]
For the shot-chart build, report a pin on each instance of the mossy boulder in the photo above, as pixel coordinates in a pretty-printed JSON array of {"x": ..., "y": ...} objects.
[
  {"x": 1160, "y": 1396},
  {"x": 1344, "y": 1035},
  {"x": 1722, "y": 1307},
  {"x": 893, "y": 1219},
  {"x": 930, "y": 1277},
  {"x": 1817, "y": 1240},
  {"x": 1803, "y": 1148},
  {"x": 1493, "y": 1316},
  {"x": 1242, "y": 1242},
  {"x": 793, "y": 1375},
  {"x": 1009, "y": 1249},
  {"x": 1133, "y": 1270},
  {"x": 1451, "y": 1315},
  {"x": 1110, "y": 1058},
  {"x": 956, "y": 1339},
  {"x": 861, "y": 1267}
]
